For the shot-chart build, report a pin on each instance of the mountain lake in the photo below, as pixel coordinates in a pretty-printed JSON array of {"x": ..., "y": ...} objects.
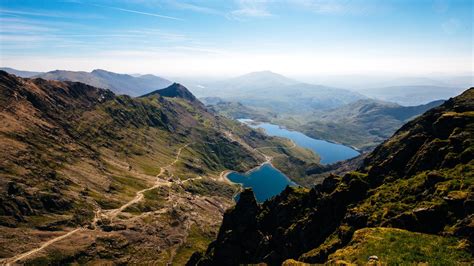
[{"x": 267, "y": 181}]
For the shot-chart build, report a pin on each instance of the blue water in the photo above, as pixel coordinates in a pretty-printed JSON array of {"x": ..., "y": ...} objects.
[
  {"x": 266, "y": 181},
  {"x": 329, "y": 152}
]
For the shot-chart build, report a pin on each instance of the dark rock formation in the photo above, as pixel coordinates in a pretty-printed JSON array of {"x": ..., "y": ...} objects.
[{"x": 175, "y": 90}]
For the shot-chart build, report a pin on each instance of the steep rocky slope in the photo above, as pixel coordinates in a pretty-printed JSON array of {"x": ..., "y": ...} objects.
[
  {"x": 411, "y": 202},
  {"x": 87, "y": 176}
]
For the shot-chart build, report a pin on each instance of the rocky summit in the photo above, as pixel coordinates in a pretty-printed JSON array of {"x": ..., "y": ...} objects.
[
  {"x": 410, "y": 202},
  {"x": 175, "y": 90}
]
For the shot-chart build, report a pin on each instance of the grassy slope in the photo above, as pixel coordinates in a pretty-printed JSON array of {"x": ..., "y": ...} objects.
[{"x": 396, "y": 246}]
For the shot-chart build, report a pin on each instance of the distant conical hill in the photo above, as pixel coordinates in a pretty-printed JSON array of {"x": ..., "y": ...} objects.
[{"x": 175, "y": 90}]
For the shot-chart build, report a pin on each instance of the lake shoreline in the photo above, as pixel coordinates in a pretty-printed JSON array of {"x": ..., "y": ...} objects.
[
  {"x": 293, "y": 129},
  {"x": 248, "y": 176},
  {"x": 329, "y": 151}
]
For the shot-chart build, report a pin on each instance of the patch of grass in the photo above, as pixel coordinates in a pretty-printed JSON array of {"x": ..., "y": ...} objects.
[
  {"x": 400, "y": 247},
  {"x": 53, "y": 258},
  {"x": 432, "y": 187},
  {"x": 155, "y": 199},
  {"x": 197, "y": 241},
  {"x": 104, "y": 201},
  {"x": 48, "y": 219},
  {"x": 209, "y": 187},
  {"x": 127, "y": 184}
]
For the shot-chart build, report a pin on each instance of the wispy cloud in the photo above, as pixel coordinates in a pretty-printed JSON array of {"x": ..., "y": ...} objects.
[
  {"x": 165, "y": 36},
  {"x": 196, "y": 7},
  {"x": 15, "y": 25},
  {"x": 451, "y": 26},
  {"x": 251, "y": 8},
  {"x": 139, "y": 12},
  {"x": 51, "y": 14},
  {"x": 322, "y": 6},
  {"x": 335, "y": 6},
  {"x": 23, "y": 28}
]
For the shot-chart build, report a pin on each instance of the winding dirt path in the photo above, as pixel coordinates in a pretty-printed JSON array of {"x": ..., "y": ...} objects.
[
  {"x": 43, "y": 246},
  {"x": 98, "y": 214},
  {"x": 139, "y": 195}
]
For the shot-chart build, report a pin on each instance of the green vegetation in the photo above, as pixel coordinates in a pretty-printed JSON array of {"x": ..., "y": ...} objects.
[
  {"x": 197, "y": 240},
  {"x": 428, "y": 189},
  {"x": 209, "y": 187},
  {"x": 155, "y": 199},
  {"x": 401, "y": 247}
]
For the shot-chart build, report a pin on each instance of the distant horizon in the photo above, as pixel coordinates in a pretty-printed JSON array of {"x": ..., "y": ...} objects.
[
  {"x": 238, "y": 74},
  {"x": 230, "y": 38},
  {"x": 354, "y": 82}
]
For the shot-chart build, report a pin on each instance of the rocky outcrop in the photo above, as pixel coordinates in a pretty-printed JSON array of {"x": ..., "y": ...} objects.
[{"x": 175, "y": 90}]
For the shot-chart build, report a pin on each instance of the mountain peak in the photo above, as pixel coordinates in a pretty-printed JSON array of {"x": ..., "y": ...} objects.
[
  {"x": 175, "y": 90},
  {"x": 256, "y": 80},
  {"x": 104, "y": 72},
  {"x": 267, "y": 75},
  {"x": 263, "y": 72},
  {"x": 98, "y": 70}
]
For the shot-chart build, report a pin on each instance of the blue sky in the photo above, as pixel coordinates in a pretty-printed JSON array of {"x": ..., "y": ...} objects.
[{"x": 187, "y": 38}]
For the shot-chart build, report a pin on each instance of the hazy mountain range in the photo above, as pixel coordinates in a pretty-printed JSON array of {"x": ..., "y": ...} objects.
[
  {"x": 277, "y": 93},
  {"x": 20, "y": 73},
  {"x": 412, "y": 94},
  {"x": 268, "y": 89},
  {"x": 118, "y": 83},
  {"x": 404, "y": 90}
]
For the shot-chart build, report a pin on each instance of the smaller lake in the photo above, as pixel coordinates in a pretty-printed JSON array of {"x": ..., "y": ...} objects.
[
  {"x": 329, "y": 152},
  {"x": 266, "y": 181}
]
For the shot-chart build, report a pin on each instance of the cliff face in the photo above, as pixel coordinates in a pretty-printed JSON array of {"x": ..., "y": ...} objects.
[{"x": 420, "y": 180}]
